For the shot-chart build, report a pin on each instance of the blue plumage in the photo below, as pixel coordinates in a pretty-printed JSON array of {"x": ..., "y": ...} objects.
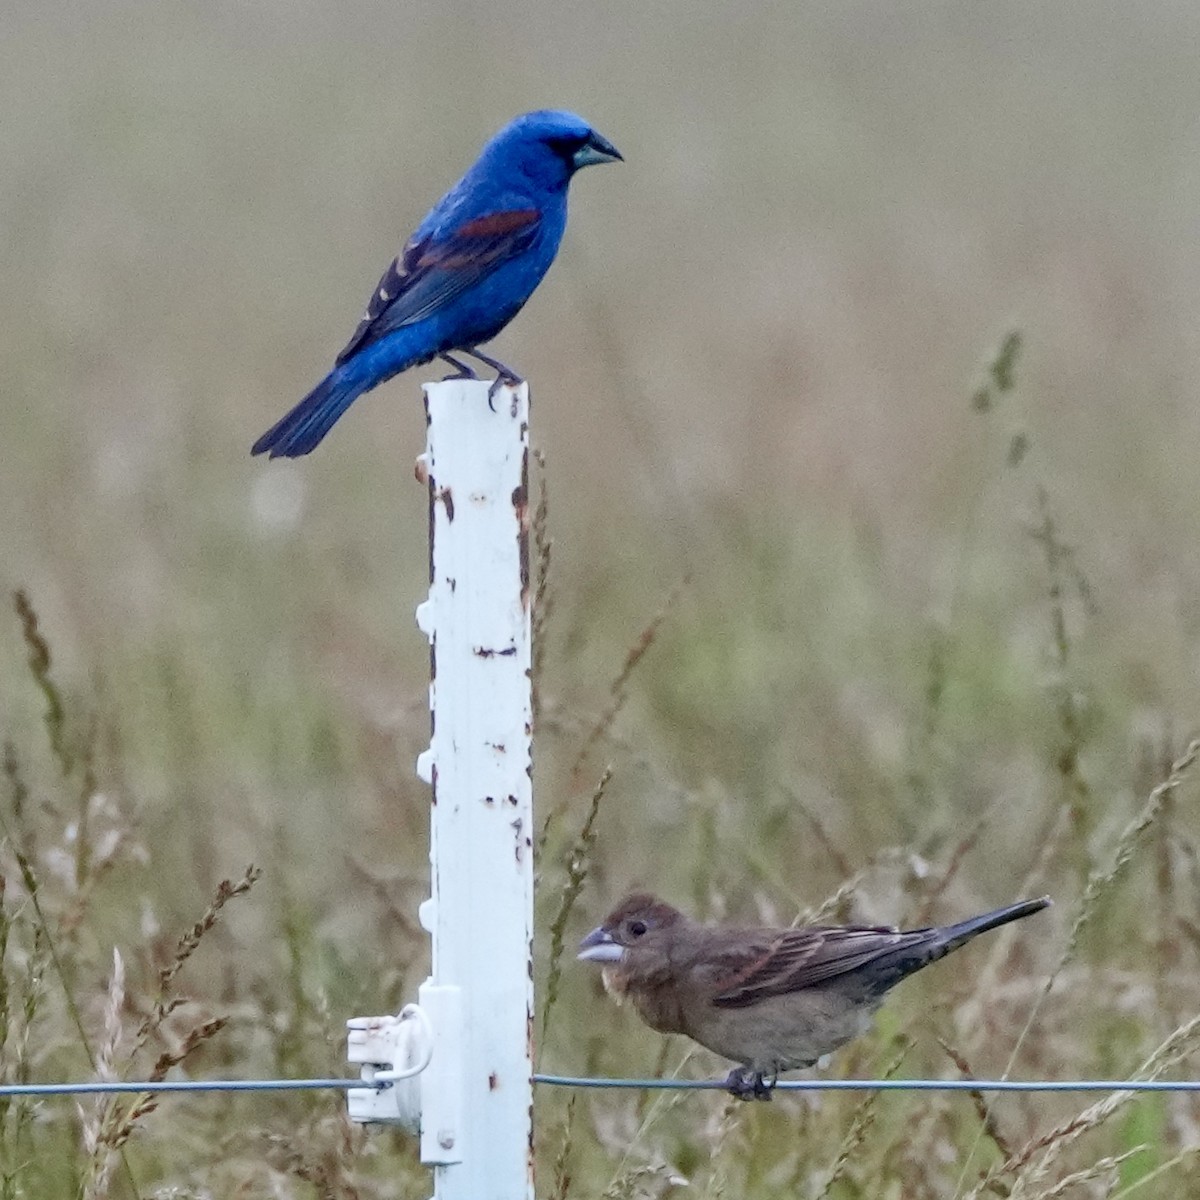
[{"x": 464, "y": 274}]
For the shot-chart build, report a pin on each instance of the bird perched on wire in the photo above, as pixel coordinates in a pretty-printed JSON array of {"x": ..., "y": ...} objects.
[
  {"x": 770, "y": 999},
  {"x": 464, "y": 274}
]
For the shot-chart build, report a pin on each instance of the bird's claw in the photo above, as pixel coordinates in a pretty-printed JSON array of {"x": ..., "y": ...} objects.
[
  {"x": 746, "y": 1084},
  {"x": 501, "y": 380},
  {"x": 505, "y": 376}
]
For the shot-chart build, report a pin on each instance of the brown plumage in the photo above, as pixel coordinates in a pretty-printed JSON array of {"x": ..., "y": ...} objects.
[{"x": 771, "y": 999}]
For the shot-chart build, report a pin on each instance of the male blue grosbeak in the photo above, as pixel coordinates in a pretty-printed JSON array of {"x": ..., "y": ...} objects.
[
  {"x": 771, "y": 999},
  {"x": 464, "y": 274}
]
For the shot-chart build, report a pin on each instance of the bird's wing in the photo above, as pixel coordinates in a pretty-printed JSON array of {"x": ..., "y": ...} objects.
[
  {"x": 803, "y": 958},
  {"x": 432, "y": 269}
]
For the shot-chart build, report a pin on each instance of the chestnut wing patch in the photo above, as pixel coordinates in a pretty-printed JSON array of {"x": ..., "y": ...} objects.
[{"x": 430, "y": 272}]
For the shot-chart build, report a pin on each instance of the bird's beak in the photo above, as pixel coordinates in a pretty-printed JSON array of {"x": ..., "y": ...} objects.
[
  {"x": 595, "y": 150},
  {"x": 599, "y": 946}
]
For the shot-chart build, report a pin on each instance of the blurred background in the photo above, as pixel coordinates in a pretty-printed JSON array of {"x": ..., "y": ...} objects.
[{"x": 917, "y": 623}]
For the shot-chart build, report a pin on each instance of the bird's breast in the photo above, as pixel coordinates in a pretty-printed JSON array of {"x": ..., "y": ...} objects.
[{"x": 781, "y": 1032}]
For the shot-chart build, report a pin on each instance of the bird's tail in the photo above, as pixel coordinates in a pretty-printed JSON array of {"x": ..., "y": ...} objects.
[
  {"x": 302, "y": 429},
  {"x": 954, "y": 936},
  {"x": 918, "y": 948}
]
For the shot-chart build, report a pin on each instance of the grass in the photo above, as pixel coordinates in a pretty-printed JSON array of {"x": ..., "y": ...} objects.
[
  {"x": 92, "y": 986},
  {"x": 866, "y": 574}
]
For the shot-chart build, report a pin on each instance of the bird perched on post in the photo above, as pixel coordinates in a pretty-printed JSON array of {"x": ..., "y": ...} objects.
[
  {"x": 770, "y": 999},
  {"x": 464, "y": 274}
]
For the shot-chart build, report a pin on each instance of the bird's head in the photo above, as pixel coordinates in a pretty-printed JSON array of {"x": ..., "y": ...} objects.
[
  {"x": 639, "y": 921},
  {"x": 549, "y": 146}
]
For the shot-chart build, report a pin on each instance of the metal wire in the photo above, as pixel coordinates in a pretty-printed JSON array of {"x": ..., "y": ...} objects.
[
  {"x": 892, "y": 1085},
  {"x": 784, "y": 1085},
  {"x": 178, "y": 1085}
]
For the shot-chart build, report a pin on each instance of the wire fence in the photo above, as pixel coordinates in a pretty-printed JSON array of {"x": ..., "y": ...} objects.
[
  {"x": 572, "y": 1081},
  {"x": 142, "y": 1087}
]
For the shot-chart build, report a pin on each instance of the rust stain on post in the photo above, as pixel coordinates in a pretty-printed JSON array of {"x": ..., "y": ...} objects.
[
  {"x": 530, "y": 1153},
  {"x": 432, "y": 526},
  {"x": 520, "y": 502},
  {"x": 424, "y": 466},
  {"x": 487, "y": 652}
]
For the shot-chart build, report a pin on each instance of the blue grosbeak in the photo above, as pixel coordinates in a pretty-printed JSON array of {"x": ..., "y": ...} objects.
[
  {"x": 771, "y": 999},
  {"x": 464, "y": 274}
]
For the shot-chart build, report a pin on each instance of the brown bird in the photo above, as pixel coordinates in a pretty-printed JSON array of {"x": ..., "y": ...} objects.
[{"x": 771, "y": 999}]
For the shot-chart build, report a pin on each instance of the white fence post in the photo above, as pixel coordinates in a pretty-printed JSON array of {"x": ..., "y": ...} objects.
[{"x": 477, "y": 1095}]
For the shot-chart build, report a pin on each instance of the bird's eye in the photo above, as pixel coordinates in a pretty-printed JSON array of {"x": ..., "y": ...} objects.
[
  {"x": 566, "y": 146},
  {"x": 637, "y": 928}
]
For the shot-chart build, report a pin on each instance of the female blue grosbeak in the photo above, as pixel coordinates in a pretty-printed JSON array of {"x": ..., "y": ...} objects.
[
  {"x": 771, "y": 999},
  {"x": 464, "y": 274}
]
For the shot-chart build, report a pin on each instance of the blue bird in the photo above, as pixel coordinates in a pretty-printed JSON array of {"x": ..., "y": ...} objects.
[{"x": 464, "y": 274}]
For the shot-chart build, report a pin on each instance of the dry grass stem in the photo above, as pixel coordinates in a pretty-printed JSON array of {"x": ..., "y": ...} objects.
[
  {"x": 188, "y": 943},
  {"x": 1102, "y": 1168},
  {"x": 561, "y": 1174},
  {"x": 983, "y": 1110},
  {"x": 1033, "y": 1162},
  {"x": 1177, "y": 1160},
  {"x": 856, "y": 1134},
  {"x": 40, "y": 661},
  {"x": 577, "y": 869},
  {"x": 619, "y": 689}
]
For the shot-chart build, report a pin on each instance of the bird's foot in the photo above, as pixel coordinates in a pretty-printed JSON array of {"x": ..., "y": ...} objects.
[
  {"x": 461, "y": 370},
  {"x": 505, "y": 375},
  {"x": 746, "y": 1084},
  {"x": 504, "y": 379}
]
